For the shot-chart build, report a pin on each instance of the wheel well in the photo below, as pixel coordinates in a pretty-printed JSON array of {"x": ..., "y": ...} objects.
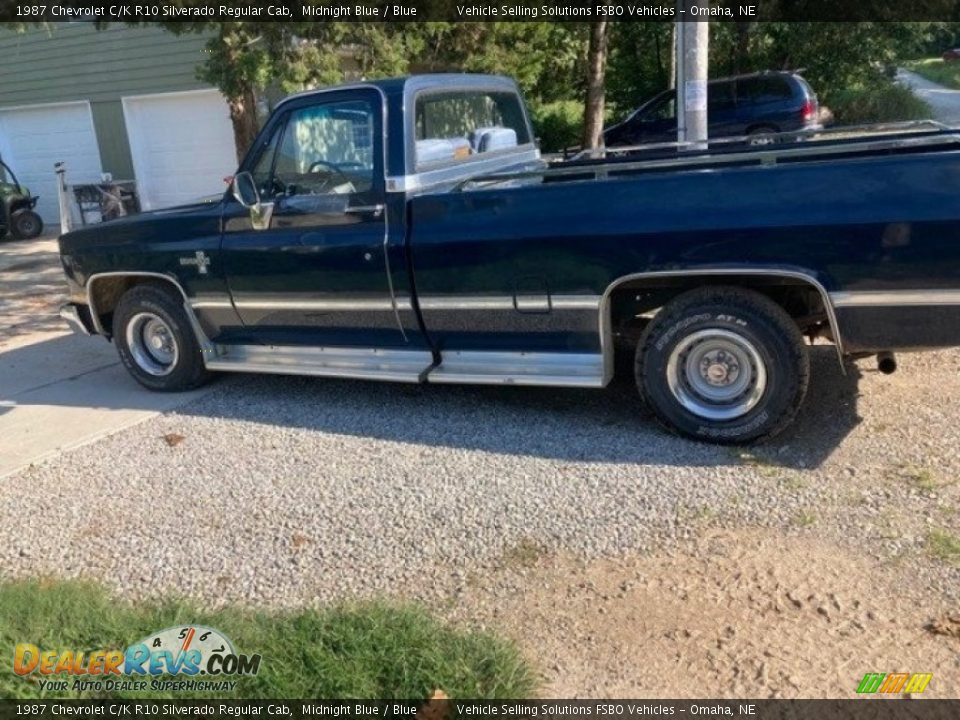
[
  {"x": 20, "y": 204},
  {"x": 634, "y": 301},
  {"x": 104, "y": 293},
  {"x": 762, "y": 127}
]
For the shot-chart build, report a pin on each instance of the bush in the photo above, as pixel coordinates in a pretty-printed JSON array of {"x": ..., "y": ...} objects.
[
  {"x": 882, "y": 101},
  {"x": 362, "y": 650},
  {"x": 558, "y": 124}
]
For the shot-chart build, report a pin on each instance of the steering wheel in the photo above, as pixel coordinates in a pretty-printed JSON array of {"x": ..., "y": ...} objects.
[{"x": 334, "y": 170}]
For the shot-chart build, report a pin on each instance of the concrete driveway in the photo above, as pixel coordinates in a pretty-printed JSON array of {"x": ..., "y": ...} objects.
[
  {"x": 57, "y": 390},
  {"x": 944, "y": 101}
]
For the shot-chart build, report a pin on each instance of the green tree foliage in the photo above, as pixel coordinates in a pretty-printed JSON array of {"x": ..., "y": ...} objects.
[
  {"x": 833, "y": 57},
  {"x": 640, "y": 63},
  {"x": 243, "y": 58},
  {"x": 546, "y": 59}
]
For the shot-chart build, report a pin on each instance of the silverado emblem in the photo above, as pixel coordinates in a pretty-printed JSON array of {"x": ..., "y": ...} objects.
[{"x": 199, "y": 259}]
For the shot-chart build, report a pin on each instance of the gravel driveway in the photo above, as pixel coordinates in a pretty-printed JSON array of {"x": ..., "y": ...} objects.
[
  {"x": 284, "y": 491},
  {"x": 564, "y": 518}
]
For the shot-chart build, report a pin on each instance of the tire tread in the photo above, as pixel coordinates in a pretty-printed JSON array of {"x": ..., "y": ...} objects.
[{"x": 763, "y": 309}]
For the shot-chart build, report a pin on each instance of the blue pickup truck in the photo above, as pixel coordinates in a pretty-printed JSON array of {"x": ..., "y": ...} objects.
[{"x": 409, "y": 230}]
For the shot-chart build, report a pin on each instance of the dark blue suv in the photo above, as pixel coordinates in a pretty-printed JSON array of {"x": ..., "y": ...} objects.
[{"x": 755, "y": 105}]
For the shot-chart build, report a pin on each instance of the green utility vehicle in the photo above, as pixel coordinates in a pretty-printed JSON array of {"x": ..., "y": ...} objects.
[{"x": 17, "y": 216}]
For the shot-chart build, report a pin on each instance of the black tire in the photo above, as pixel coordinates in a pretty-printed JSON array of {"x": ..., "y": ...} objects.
[
  {"x": 155, "y": 340},
  {"x": 25, "y": 224},
  {"x": 691, "y": 361}
]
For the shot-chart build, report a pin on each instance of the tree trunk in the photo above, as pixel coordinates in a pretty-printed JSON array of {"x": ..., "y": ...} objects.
[
  {"x": 741, "y": 48},
  {"x": 243, "y": 115},
  {"x": 596, "y": 71}
]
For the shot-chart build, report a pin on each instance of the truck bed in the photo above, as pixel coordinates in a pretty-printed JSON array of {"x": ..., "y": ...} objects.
[{"x": 871, "y": 220}]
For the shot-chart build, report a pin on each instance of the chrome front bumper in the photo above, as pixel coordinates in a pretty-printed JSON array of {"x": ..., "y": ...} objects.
[{"x": 77, "y": 319}]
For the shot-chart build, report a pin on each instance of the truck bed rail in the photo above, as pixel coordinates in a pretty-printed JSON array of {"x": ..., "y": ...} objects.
[{"x": 786, "y": 147}]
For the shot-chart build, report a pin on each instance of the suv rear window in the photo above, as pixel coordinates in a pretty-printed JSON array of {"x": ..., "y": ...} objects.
[
  {"x": 458, "y": 125},
  {"x": 763, "y": 90}
]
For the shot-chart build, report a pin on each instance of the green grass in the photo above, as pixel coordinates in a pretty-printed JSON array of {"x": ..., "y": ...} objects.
[
  {"x": 370, "y": 650},
  {"x": 804, "y": 518},
  {"x": 525, "y": 554},
  {"x": 944, "y": 546},
  {"x": 920, "y": 477},
  {"x": 938, "y": 71},
  {"x": 879, "y": 101}
]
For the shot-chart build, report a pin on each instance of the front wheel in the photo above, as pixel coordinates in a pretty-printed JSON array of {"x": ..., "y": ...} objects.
[
  {"x": 25, "y": 224},
  {"x": 156, "y": 341},
  {"x": 723, "y": 365}
]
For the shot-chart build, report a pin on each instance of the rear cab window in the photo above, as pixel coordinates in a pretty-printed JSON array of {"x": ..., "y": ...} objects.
[{"x": 457, "y": 126}]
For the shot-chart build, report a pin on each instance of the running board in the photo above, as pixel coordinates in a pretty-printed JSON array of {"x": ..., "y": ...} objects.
[
  {"x": 359, "y": 363},
  {"x": 520, "y": 368},
  {"x": 466, "y": 367}
]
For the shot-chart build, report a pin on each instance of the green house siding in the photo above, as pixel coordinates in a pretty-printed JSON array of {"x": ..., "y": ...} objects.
[
  {"x": 75, "y": 61},
  {"x": 112, "y": 139}
]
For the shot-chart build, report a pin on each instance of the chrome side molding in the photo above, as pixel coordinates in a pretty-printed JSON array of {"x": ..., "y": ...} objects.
[{"x": 886, "y": 298}]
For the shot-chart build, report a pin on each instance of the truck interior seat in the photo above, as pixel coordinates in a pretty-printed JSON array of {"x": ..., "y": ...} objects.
[
  {"x": 497, "y": 139},
  {"x": 434, "y": 150}
]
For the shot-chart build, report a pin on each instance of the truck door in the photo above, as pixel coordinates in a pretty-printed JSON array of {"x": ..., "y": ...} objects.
[{"x": 315, "y": 273}]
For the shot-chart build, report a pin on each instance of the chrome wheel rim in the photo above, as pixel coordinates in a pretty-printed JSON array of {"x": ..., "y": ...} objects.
[
  {"x": 716, "y": 374},
  {"x": 152, "y": 344}
]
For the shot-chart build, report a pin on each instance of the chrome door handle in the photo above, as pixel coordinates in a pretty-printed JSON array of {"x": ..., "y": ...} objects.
[{"x": 375, "y": 210}]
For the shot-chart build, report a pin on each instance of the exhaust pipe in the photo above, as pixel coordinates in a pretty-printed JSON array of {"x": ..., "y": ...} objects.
[{"x": 886, "y": 363}]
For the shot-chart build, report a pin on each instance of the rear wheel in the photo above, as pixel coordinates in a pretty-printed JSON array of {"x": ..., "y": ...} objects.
[
  {"x": 156, "y": 341},
  {"x": 723, "y": 365},
  {"x": 25, "y": 224},
  {"x": 762, "y": 136}
]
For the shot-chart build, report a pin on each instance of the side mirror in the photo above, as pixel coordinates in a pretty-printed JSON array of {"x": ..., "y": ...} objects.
[{"x": 244, "y": 189}]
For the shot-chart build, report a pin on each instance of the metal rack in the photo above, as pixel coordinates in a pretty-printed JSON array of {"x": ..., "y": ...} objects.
[
  {"x": 784, "y": 147},
  {"x": 86, "y": 203}
]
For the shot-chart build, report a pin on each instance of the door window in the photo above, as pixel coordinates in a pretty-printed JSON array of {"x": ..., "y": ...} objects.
[
  {"x": 325, "y": 149},
  {"x": 263, "y": 168}
]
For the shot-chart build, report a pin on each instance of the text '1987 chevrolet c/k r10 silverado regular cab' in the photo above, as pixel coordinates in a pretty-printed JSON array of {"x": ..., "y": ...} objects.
[{"x": 409, "y": 230}]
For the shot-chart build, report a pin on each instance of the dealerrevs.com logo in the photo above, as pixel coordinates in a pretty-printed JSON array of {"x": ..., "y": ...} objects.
[{"x": 191, "y": 657}]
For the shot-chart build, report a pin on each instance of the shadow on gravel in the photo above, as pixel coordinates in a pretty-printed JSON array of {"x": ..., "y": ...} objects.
[{"x": 608, "y": 425}]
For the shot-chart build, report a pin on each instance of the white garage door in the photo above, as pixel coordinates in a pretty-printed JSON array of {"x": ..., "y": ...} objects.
[
  {"x": 182, "y": 146},
  {"x": 33, "y": 138}
]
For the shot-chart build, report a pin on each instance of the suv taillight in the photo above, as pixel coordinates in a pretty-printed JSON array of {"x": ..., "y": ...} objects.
[{"x": 808, "y": 112}]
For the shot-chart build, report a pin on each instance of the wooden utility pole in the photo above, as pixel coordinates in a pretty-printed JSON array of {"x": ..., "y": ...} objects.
[{"x": 693, "y": 52}]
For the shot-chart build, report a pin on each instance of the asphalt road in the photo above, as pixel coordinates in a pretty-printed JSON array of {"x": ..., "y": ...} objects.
[{"x": 945, "y": 102}]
